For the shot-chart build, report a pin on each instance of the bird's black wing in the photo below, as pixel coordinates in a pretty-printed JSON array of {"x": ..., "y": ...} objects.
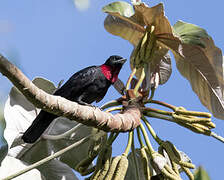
[
  {"x": 70, "y": 90},
  {"x": 76, "y": 84}
]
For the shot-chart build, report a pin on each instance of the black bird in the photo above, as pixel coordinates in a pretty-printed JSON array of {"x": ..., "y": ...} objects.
[{"x": 84, "y": 87}]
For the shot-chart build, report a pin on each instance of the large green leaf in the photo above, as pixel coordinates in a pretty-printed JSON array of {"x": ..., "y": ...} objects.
[
  {"x": 201, "y": 62},
  {"x": 44, "y": 84},
  {"x": 201, "y": 174},
  {"x": 190, "y": 33}
]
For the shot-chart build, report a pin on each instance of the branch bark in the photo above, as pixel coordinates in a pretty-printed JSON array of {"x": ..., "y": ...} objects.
[{"x": 90, "y": 116}]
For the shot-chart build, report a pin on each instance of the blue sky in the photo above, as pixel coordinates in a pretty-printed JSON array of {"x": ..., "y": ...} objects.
[{"x": 53, "y": 39}]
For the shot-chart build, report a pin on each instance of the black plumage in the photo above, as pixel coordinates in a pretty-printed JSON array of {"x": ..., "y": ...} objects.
[{"x": 84, "y": 87}]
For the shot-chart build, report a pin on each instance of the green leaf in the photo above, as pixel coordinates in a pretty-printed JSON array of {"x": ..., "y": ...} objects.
[
  {"x": 190, "y": 33},
  {"x": 201, "y": 63},
  {"x": 44, "y": 84},
  {"x": 201, "y": 174},
  {"x": 123, "y": 8}
]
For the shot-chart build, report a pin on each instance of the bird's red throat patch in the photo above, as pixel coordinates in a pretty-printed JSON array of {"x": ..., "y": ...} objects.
[{"x": 110, "y": 73}]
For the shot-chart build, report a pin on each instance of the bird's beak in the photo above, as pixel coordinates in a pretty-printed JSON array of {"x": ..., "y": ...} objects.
[{"x": 121, "y": 61}]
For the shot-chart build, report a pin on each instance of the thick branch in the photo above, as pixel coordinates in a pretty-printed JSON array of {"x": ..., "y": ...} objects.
[{"x": 89, "y": 116}]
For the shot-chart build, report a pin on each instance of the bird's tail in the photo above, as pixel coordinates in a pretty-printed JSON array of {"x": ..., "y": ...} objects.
[{"x": 39, "y": 125}]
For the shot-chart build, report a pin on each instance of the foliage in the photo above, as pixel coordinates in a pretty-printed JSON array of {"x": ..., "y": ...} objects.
[
  {"x": 201, "y": 174},
  {"x": 18, "y": 107},
  {"x": 197, "y": 57},
  {"x": 3, "y": 143},
  {"x": 149, "y": 31}
]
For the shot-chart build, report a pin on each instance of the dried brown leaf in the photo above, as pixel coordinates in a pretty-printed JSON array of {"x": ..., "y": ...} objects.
[{"x": 201, "y": 62}]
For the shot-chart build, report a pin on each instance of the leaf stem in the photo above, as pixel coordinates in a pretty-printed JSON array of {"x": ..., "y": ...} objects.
[
  {"x": 151, "y": 130},
  {"x": 139, "y": 137},
  {"x": 128, "y": 147},
  {"x": 159, "y": 116},
  {"x": 114, "y": 109},
  {"x": 135, "y": 158},
  {"x": 110, "y": 104},
  {"x": 161, "y": 103},
  {"x": 150, "y": 148},
  {"x": 158, "y": 111}
]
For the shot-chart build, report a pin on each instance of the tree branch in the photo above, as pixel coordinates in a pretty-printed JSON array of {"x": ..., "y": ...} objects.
[{"x": 90, "y": 116}]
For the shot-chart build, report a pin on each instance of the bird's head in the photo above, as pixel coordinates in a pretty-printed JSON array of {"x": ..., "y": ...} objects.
[
  {"x": 112, "y": 67},
  {"x": 115, "y": 61}
]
